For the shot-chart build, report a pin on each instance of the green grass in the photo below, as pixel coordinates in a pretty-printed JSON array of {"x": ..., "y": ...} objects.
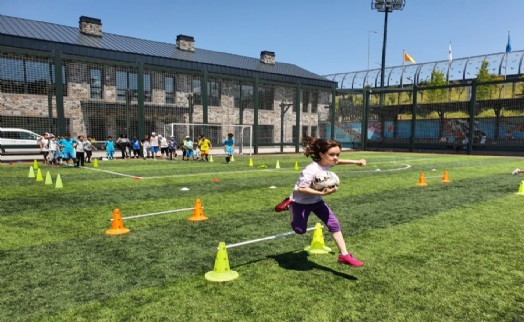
[{"x": 445, "y": 252}]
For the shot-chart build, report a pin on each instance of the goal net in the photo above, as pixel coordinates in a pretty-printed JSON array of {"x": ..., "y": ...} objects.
[{"x": 242, "y": 134}]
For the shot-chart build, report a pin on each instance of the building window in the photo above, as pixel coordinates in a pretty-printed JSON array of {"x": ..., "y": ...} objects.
[
  {"x": 266, "y": 97},
  {"x": 196, "y": 89},
  {"x": 127, "y": 84},
  {"x": 314, "y": 104},
  {"x": 96, "y": 83},
  {"x": 169, "y": 85},
  {"x": 28, "y": 76},
  {"x": 314, "y": 131},
  {"x": 243, "y": 95},
  {"x": 305, "y": 101},
  {"x": 265, "y": 133},
  {"x": 213, "y": 92},
  {"x": 304, "y": 131}
]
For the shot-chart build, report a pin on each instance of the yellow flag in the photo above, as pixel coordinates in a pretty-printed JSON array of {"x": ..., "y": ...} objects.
[{"x": 408, "y": 58}]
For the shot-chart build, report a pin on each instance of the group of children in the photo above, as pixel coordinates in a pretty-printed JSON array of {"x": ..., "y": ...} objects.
[
  {"x": 66, "y": 150},
  {"x": 150, "y": 146}
]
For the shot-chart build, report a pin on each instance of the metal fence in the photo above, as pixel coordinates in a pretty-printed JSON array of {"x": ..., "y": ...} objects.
[{"x": 466, "y": 118}]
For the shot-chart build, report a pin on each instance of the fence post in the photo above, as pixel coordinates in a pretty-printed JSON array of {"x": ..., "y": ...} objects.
[
  {"x": 472, "y": 108},
  {"x": 413, "y": 119},
  {"x": 364, "y": 123}
]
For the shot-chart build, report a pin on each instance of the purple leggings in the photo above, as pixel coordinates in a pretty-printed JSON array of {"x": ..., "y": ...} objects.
[{"x": 301, "y": 213}]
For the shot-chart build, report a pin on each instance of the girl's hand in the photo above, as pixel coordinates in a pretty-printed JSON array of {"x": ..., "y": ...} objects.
[{"x": 328, "y": 191}]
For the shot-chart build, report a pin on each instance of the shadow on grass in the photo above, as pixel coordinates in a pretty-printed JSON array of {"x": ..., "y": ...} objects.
[{"x": 299, "y": 261}]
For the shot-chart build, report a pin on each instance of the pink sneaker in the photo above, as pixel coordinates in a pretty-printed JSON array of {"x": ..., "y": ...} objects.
[{"x": 349, "y": 260}]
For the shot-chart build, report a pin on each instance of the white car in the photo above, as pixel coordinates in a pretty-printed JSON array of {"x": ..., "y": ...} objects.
[{"x": 19, "y": 141}]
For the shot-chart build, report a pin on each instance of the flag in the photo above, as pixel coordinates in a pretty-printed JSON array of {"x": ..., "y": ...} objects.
[
  {"x": 508, "y": 46},
  {"x": 408, "y": 58},
  {"x": 450, "y": 54}
]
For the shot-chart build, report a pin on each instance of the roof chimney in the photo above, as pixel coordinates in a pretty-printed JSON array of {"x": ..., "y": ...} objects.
[
  {"x": 186, "y": 43},
  {"x": 90, "y": 26},
  {"x": 267, "y": 57}
]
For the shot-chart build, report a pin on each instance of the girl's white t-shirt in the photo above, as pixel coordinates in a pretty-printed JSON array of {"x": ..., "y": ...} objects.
[{"x": 306, "y": 178}]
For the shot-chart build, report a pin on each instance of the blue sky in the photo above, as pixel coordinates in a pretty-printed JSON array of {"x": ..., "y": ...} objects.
[{"x": 322, "y": 36}]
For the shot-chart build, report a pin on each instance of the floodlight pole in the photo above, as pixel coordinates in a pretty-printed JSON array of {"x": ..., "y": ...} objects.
[{"x": 385, "y": 6}]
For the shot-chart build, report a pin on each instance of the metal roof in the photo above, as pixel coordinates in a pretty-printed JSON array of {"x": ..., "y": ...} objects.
[{"x": 49, "y": 36}]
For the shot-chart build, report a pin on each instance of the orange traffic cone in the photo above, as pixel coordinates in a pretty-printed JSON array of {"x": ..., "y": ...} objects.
[
  {"x": 422, "y": 180},
  {"x": 445, "y": 178},
  {"x": 198, "y": 213},
  {"x": 117, "y": 227}
]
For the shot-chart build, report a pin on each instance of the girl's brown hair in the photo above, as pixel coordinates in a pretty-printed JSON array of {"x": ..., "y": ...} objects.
[{"x": 314, "y": 146}]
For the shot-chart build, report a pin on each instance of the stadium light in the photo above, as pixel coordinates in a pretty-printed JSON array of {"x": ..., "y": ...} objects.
[{"x": 385, "y": 6}]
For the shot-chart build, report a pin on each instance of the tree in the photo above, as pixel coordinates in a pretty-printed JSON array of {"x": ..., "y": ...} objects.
[
  {"x": 485, "y": 92},
  {"x": 437, "y": 94}
]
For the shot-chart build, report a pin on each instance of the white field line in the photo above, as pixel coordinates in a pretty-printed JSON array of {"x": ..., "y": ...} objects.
[{"x": 112, "y": 172}]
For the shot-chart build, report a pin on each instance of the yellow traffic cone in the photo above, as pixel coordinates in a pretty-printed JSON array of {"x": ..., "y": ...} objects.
[
  {"x": 39, "y": 175},
  {"x": 35, "y": 165},
  {"x": 198, "y": 213},
  {"x": 296, "y": 165},
  {"x": 117, "y": 226},
  {"x": 278, "y": 165},
  {"x": 317, "y": 246},
  {"x": 232, "y": 158},
  {"x": 445, "y": 177},
  {"x": 58, "y": 184},
  {"x": 95, "y": 163},
  {"x": 521, "y": 189},
  {"x": 221, "y": 271},
  {"x": 210, "y": 158},
  {"x": 48, "y": 179},
  {"x": 31, "y": 172},
  {"x": 422, "y": 180},
  {"x": 250, "y": 162}
]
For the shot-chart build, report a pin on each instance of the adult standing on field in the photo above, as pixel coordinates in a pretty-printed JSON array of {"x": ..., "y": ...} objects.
[
  {"x": 325, "y": 155},
  {"x": 80, "y": 152},
  {"x": 154, "y": 142},
  {"x": 123, "y": 143},
  {"x": 205, "y": 146}
]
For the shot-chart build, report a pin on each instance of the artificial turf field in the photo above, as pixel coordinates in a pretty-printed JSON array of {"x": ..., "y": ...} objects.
[{"x": 444, "y": 252}]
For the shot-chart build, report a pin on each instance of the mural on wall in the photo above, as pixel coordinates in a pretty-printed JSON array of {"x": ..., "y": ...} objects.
[{"x": 452, "y": 130}]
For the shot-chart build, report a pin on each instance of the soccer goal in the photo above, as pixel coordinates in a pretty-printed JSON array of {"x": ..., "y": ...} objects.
[{"x": 243, "y": 134}]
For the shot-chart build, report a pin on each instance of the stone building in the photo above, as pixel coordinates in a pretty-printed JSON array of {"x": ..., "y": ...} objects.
[{"x": 82, "y": 80}]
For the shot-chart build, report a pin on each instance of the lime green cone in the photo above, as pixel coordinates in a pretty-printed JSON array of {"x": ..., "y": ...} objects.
[
  {"x": 48, "y": 179},
  {"x": 221, "y": 271},
  {"x": 31, "y": 173},
  {"x": 39, "y": 175},
  {"x": 317, "y": 246},
  {"x": 521, "y": 189}
]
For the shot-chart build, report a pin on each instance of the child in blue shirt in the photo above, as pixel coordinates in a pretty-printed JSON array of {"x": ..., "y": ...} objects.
[
  {"x": 228, "y": 146},
  {"x": 110, "y": 147},
  {"x": 135, "y": 144}
]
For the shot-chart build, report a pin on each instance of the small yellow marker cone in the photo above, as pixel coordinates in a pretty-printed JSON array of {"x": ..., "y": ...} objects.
[
  {"x": 95, "y": 163},
  {"x": 31, "y": 172},
  {"x": 35, "y": 165},
  {"x": 521, "y": 189},
  {"x": 232, "y": 158},
  {"x": 317, "y": 246},
  {"x": 48, "y": 179},
  {"x": 250, "y": 162},
  {"x": 39, "y": 175},
  {"x": 210, "y": 158},
  {"x": 221, "y": 271},
  {"x": 58, "y": 184},
  {"x": 278, "y": 165},
  {"x": 296, "y": 165}
]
